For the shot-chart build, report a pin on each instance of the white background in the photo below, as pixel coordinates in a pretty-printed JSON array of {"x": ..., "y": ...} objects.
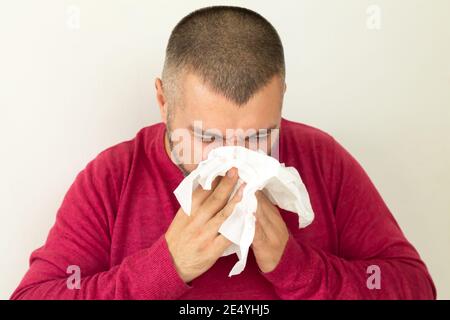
[{"x": 67, "y": 93}]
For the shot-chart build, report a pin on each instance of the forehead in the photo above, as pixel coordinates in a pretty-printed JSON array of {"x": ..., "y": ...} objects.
[{"x": 200, "y": 102}]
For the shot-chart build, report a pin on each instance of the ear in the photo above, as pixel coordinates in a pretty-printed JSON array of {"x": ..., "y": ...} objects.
[
  {"x": 160, "y": 98},
  {"x": 285, "y": 87}
]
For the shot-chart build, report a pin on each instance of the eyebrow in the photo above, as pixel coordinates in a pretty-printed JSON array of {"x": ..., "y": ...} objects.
[{"x": 205, "y": 133}]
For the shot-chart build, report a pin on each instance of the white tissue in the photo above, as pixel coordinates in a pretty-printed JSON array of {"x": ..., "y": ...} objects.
[{"x": 282, "y": 185}]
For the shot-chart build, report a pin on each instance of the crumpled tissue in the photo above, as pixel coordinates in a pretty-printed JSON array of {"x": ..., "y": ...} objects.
[{"x": 282, "y": 185}]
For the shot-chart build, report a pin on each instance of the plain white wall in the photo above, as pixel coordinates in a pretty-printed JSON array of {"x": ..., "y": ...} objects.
[{"x": 71, "y": 87}]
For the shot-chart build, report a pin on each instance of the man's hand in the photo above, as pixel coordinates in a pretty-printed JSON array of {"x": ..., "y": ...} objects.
[
  {"x": 194, "y": 241},
  {"x": 271, "y": 234}
]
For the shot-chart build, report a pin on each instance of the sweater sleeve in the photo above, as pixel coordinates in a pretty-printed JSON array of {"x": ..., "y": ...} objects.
[
  {"x": 80, "y": 237},
  {"x": 375, "y": 260}
]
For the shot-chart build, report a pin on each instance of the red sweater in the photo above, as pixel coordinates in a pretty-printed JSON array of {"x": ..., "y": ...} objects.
[{"x": 112, "y": 221}]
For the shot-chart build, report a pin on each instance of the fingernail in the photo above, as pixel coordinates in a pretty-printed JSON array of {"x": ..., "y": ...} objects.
[{"x": 230, "y": 173}]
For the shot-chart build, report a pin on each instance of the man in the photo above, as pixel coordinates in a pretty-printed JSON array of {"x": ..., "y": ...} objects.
[{"x": 122, "y": 232}]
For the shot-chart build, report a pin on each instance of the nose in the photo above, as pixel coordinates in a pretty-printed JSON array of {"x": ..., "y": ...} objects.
[{"x": 236, "y": 141}]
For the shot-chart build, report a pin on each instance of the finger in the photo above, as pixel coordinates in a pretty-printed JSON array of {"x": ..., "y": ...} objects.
[
  {"x": 200, "y": 195},
  {"x": 213, "y": 225},
  {"x": 180, "y": 217},
  {"x": 219, "y": 245},
  {"x": 218, "y": 198},
  {"x": 271, "y": 211},
  {"x": 270, "y": 218},
  {"x": 260, "y": 235},
  {"x": 261, "y": 210}
]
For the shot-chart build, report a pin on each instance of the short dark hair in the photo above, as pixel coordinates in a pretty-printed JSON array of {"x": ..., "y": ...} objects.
[{"x": 232, "y": 49}]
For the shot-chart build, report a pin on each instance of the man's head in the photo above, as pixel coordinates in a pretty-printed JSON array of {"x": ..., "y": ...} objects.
[{"x": 223, "y": 79}]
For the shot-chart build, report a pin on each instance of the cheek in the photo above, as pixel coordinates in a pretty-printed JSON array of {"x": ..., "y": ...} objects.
[
  {"x": 190, "y": 167},
  {"x": 200, "y": 150},
  {"x": 206, "y": 149},
  {"x": 205, "y": 152},
  {"x": 267, "y": 144}
]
